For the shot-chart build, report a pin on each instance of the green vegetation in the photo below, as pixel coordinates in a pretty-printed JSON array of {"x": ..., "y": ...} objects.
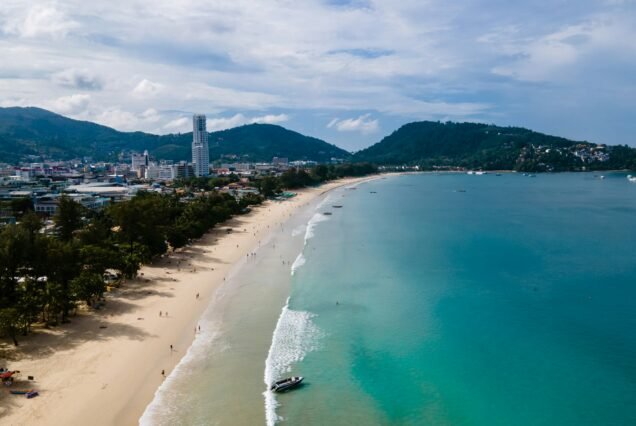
[
  {"x": 34, "y": 131},
  {"x": 291, "y": 179},
  {"x": 433, "y": 145},
  {"x": 44, "y": 275}
]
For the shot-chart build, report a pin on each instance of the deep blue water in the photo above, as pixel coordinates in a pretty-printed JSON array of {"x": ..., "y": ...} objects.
[{"x": 512, "y": 303}]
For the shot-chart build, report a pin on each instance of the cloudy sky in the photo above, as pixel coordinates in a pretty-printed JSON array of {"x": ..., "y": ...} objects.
[{"x": 347, "y": 71}]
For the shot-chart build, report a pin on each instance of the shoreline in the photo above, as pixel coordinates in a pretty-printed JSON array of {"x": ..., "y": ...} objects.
[{"x": 105, "y": 367}]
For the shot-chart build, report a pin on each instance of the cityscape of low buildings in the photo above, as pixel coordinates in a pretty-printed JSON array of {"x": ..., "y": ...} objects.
[{"x": 95, "y": 185}]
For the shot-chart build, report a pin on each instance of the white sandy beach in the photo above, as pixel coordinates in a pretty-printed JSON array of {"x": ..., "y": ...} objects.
[{"x": 104, "y": 367}]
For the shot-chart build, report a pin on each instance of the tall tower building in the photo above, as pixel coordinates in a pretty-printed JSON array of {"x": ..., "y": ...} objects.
[
  {"x": 200, "y": 150},
  {"x": 139, "y": 160}
]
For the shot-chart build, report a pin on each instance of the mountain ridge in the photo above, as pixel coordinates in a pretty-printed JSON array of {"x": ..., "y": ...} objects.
[
  {"x": 35, "y": 131},
  {"x": 430, "y": 145},
  {"x": 436, "y": 145}
]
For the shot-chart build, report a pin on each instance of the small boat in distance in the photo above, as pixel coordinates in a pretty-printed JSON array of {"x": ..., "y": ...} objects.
[
  {"x": 286, "y": 384},
  {"x": 327, "y": 213},
  {"x": 337, "y": 207}
]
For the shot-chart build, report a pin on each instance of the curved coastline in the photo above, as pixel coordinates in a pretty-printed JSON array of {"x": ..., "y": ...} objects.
[
  {"x": 234, "y": 298},
  {"x": 105, "y": 367}
]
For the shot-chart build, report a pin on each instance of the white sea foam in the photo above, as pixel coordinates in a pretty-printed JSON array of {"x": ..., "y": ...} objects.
[
  {"x": 295, "y": 336},
  {"x": 300, "y": 261},
  {"x": 315, "y": 220},
  {"x": 323, "y": 202}
]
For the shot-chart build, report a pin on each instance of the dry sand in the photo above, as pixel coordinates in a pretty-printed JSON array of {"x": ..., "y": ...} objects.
[{"x": 104, "y": 367}]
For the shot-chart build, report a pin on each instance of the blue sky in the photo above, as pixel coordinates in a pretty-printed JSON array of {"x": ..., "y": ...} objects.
[{"x": 347, "y": 71}]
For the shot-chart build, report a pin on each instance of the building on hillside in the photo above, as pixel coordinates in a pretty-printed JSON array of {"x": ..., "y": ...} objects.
[{"x": 200, "y": 149}]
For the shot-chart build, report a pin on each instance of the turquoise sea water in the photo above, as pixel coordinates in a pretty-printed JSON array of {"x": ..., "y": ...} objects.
[{"x": 512, "y": 303}]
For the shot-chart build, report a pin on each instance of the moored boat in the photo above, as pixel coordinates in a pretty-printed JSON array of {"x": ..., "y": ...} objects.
[
  {"x": 286, "y": 384},
  {"x": 20, "y": 392}
]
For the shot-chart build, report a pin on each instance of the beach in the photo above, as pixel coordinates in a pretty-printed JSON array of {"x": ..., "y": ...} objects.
[{"x": 105, "y": 366}]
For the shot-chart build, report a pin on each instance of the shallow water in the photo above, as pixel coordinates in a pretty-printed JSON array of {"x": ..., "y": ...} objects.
[
  {"x": 221, "y": 378},
  {"x": 509, "y": 303}
]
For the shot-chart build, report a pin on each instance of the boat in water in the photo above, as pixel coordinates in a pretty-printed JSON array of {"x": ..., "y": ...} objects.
[{"x": 286, "y": 384}]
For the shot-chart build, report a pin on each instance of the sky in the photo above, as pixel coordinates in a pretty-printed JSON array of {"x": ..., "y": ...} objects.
[{"x": 347, "y": 71}]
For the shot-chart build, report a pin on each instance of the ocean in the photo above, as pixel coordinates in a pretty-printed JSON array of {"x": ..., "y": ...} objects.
[{"x": 428, "y": 299}]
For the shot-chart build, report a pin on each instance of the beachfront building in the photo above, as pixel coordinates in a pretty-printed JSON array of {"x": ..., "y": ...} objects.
[{"x": 200, "y": 150}]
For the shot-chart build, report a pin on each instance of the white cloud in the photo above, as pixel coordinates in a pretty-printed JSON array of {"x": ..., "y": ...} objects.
[
  {"x": 146, "y": 88},
  {"x": 271, "y": 119},
  {"x": 118, "y": 119},
  {"x": 363, "y": 124},
  {"x": 180, "y": 125},
  {"x": 215, "y": 124},
  {"x": 73, "y": 104},
  {"x": 399, "y": 61},
  {"x": 41, "y": 20},
  {"x": 554, "y": 56}
]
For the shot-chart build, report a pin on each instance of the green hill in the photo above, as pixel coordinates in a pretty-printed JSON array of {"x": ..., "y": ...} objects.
[
  {"x": 35, "y": 131},
  {"x": 433, "y": 145}
]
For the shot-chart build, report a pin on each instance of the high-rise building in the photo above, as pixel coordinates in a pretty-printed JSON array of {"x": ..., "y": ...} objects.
[
  {"x": 200, "y": 150},
  {"x": 139, "y": 160}
]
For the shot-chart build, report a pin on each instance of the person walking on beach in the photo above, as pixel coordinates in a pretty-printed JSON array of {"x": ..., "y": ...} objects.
[
  {"x": 171, "y": 348},
  {"x": 163, "y": 373},
  {"x": 160, "y": 313}
]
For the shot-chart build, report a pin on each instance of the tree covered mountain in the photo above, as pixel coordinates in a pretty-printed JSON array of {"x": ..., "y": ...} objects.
[
  {"x": 433, "y": 145},
  {"x": 430, "y": 145},
  {"x": 35, "y": 131}
]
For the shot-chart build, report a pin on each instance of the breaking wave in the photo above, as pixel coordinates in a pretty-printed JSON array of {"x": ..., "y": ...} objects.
[
  {"x": 311, "y": 225},
  {"x": 294, "y": 337},
  {"x": 300, "y": 261}
]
